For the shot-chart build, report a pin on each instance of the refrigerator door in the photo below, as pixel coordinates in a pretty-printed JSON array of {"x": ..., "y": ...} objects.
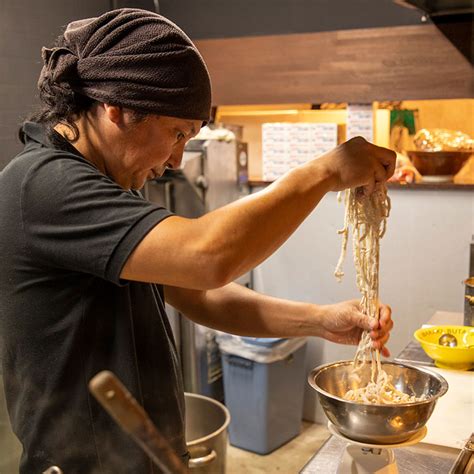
[
  {"x": 176, "y": 193},
  {"x": 220, "y": 170}
]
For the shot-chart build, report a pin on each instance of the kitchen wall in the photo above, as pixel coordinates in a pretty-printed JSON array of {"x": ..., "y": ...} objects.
[
  {"x": 424, "y": 259},
  {"x": 26, "y": 26}
]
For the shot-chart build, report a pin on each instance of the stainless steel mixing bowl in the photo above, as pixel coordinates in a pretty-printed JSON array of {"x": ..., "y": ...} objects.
[{"x": 370, "y": 423}]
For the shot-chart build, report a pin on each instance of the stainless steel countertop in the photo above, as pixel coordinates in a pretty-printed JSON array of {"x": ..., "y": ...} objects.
[{"x": 418, "y": 459}]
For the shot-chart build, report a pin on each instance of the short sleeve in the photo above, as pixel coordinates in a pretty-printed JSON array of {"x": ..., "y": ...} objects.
[{"x": 76, "y": 218}]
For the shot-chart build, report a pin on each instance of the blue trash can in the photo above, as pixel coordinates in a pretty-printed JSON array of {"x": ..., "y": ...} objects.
[{"x": 265, "y": 399}]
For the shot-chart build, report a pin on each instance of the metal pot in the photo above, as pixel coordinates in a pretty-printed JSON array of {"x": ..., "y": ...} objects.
[{"x": 206, "y": 434}]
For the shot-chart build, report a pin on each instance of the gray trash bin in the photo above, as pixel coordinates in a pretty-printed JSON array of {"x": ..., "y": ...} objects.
[{"x": 265, "y": 399}]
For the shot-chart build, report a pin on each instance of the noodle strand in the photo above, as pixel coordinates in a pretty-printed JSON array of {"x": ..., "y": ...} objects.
[{"x": 366, "y": 217}]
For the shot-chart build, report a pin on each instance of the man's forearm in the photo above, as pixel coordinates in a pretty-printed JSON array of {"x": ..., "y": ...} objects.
[{"x": 238, "y": 310}]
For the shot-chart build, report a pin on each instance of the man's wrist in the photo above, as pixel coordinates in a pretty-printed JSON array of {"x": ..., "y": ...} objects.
[
  {"x": 322, "y": 168},
  {"x": 317, "y": 314}
]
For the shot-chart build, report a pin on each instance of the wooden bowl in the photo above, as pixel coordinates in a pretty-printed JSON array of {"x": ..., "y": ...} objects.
[{"x": 438, "y": 163}]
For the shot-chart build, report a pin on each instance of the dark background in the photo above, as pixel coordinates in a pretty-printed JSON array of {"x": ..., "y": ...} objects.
[
  {"x": 224, "y": 18},
  {"x": 27, "y": 25}
]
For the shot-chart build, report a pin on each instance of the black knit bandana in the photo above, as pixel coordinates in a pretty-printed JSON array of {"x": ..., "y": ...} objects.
[{"x": 132, "y": 58}]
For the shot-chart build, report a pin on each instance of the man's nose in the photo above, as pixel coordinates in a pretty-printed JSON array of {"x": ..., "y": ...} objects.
[{"x": 176, "y": 158}]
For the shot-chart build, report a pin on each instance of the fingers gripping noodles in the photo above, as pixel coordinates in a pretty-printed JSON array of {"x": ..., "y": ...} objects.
[{"x": 366, "y": 216}]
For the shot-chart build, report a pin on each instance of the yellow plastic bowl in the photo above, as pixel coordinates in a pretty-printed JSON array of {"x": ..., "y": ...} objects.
[{"x": 460, "y": 357}]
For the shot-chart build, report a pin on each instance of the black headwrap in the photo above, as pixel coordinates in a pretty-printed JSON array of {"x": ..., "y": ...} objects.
[{"x": 132, "y": 58}]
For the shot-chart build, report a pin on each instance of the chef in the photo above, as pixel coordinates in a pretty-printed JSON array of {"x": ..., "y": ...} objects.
[{"x": 87, "y": 264}]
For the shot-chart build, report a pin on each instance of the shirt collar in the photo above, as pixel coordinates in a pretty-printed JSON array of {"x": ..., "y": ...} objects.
[{"x": 37, "y": 132}]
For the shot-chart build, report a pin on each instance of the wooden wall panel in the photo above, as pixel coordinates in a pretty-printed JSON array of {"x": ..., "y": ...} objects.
[{"x": 394, "y": 63}]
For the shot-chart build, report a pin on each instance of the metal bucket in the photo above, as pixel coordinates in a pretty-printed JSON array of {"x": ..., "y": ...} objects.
[{"x": 206, "y": 434}]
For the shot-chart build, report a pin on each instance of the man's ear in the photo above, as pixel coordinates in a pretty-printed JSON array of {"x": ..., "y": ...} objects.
[{"x": 114, "y": 113}]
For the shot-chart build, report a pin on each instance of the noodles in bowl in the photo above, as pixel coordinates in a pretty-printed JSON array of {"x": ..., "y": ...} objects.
[
  {"x": 380, "y": 391},
  {"x": 373, "y": 422}
]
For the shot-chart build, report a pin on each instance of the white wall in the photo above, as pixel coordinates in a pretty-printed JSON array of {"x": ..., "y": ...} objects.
[{"x": 424, "y": 259}]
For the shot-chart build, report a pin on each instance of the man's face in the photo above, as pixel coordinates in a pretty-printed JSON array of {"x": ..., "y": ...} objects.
[{"x": 138, "y": 151}]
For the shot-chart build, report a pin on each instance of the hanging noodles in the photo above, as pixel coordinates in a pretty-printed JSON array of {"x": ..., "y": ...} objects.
[{"x": 367, "y": 217}]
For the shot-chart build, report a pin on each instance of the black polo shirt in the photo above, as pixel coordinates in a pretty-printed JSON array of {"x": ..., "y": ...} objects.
[{"x": 65, "y": 314}]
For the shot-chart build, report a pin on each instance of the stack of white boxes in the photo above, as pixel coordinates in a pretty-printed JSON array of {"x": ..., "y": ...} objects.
[
  {"x": 360, "y": 121},
  {"x": 287, "y": 145}
]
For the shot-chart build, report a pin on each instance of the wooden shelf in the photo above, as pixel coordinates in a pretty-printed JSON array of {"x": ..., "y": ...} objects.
[{"x": 412, "y": 186}]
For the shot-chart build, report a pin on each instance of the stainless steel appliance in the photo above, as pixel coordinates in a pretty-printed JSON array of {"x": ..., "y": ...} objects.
[
  {"x": 206, "y": 434},
  {"x": 212, "y": 175}
]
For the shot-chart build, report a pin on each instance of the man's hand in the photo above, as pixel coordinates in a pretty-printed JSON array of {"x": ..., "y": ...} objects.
[
  {"x": 344, "y": 322},
  {"x": 358, "y": 163}
]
